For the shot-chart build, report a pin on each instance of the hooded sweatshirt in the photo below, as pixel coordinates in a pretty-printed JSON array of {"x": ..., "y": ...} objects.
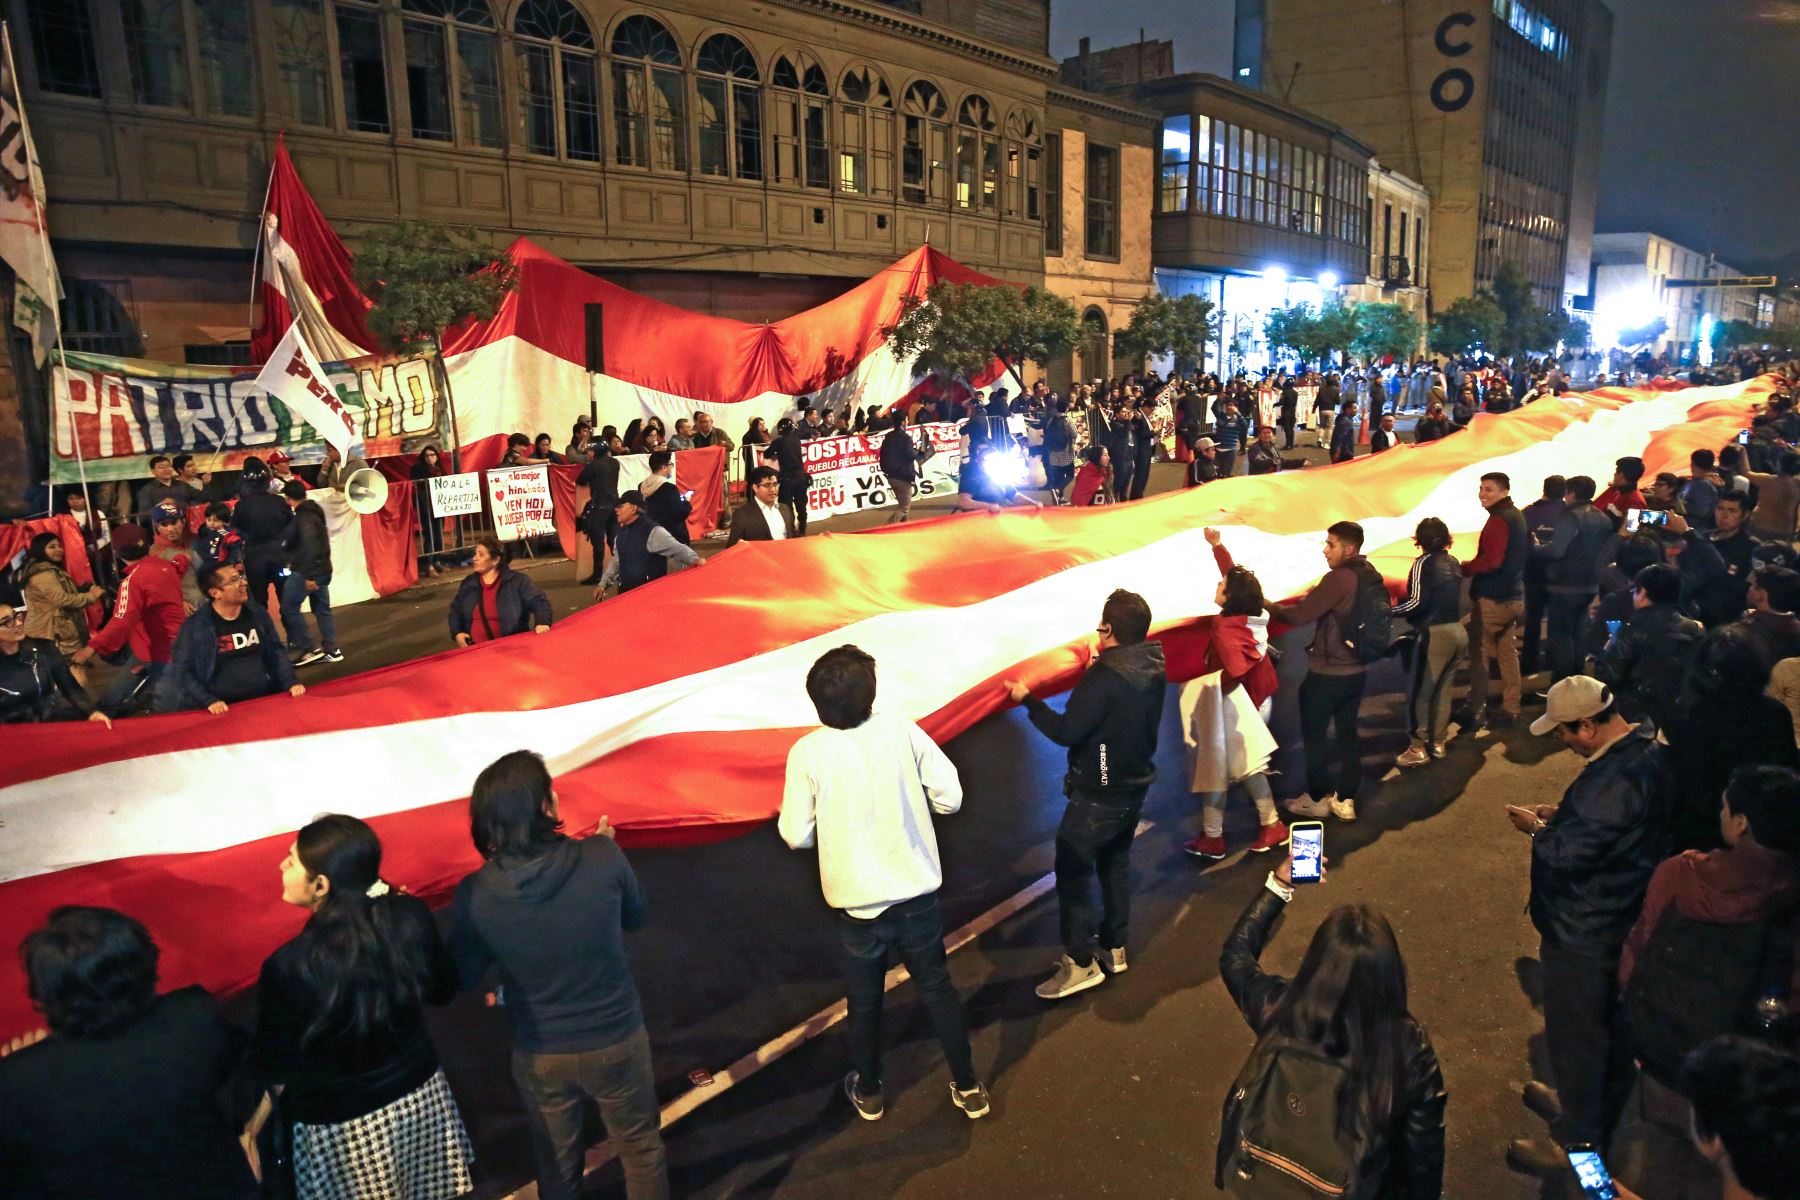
[
  {"x": 1111, "y": 720},
  {"x": 1724, "y": 887},
  {"x": 554, "y": 926}
]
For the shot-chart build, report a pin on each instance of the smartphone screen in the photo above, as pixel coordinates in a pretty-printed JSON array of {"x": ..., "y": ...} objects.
[
  {"x": 1633, "y": 518},
  {"x": 1590, "y": 1171},
  {"x": 1653, "y": 516},
  {"x": 1744, "y": 437},
  {"x": 1308, "y": 850}
]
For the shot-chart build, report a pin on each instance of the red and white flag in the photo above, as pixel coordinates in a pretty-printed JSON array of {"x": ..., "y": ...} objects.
[
  {"x": 24, "y": 229},
  {"x": 293, "y": 376},
  {"x": 182, "y": 820}
]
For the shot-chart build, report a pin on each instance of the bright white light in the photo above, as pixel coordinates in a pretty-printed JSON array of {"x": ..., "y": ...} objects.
[
  {"x": 1707, "y": 322},
  {"x": 1276, "y": 274},
  {"x": 1005, "y": 468},
  {"x": 1243, "y": 72},
  {"x": 1328, "y": 280}
]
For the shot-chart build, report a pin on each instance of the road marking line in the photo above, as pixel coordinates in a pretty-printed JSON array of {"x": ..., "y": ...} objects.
[{"x": 783, "y": 1044}]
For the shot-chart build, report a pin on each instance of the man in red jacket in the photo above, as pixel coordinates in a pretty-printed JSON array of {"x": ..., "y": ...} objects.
[{"x": 147, "y": 615}]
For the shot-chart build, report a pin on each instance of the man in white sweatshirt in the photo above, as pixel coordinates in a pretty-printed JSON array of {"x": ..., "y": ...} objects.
[{"x": 862, "y": 790}]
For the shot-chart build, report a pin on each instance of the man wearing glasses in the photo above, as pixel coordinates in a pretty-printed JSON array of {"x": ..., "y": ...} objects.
[
  {"x": 227, "y": 652},
  {"x": 764, "y": 516}
]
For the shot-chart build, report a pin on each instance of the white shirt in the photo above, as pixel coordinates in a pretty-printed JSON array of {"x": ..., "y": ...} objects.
[
  {"x": 865, "y": 797},
  {"x": 772, "y": 516}
]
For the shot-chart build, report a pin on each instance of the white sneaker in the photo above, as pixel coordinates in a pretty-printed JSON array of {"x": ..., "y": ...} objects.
[
  {"x": 1070, "y": 979},
  {"x": 1305, "y": 806},
  {"x": 1343, "y": 810}
]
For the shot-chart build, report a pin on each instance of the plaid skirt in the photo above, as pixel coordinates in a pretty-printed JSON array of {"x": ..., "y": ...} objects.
[{"x": 413, "y": 1149}]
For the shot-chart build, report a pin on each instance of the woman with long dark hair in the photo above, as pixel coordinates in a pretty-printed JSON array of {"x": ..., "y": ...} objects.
[
  {"x": 431, "y": 527},
  {"x": 341, "y": 1029},
  {"x": 1223, "y": 711},
  {"x": 1343, "y": 1088},
  {"x": 55, "y": 606},
  {"x": 1433, "y": 607}
]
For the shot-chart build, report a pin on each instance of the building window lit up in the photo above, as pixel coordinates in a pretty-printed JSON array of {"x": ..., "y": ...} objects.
[{"x": 1533, "y": 26}]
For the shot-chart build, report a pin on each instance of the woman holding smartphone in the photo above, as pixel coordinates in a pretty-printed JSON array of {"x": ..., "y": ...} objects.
[{"x": 1343, "y": 1089}]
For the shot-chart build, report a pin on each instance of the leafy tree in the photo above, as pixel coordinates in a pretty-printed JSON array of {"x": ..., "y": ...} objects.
[
  {"x": 1727, "y": 335},
  {"x": 1526, "y": 329},
  {"x": 1178, "y": 326},
  {"x": 1291, "y": 328},
  {"x": 1643, "y": 335},
  {"x": 1465, "y": 324},
  {"x": 1386, "y": 329},
  {"x": 425, "y": 278},
  {"x": 1578, "y": 335},
  {"x": 1335, "y": 327},
  {"x": 965, "y": 326}
]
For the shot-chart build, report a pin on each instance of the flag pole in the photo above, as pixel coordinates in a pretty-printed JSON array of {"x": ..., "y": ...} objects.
[
  {"x": 42, "y": 201},
  {"x": 262, "y": 216}
]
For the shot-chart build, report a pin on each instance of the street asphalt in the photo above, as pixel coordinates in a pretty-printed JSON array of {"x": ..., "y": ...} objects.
[{"x": 1115, "y": 1092}]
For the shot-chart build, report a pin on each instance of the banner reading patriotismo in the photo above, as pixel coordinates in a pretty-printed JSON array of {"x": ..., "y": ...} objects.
[
  {"x": 126, "y": 409},
  {"x": 846, "y": 471}
]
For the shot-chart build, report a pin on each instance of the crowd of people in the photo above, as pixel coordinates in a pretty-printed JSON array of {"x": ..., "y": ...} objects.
[{"x": 1664, "y": 885}]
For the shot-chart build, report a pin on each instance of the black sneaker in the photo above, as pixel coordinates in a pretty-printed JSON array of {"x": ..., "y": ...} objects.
[
  {"x": 868, "y": 1107},
  {"x": 334, "y": 656}
]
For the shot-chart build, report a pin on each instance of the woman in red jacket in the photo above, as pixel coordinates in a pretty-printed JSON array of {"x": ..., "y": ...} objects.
[
  {"x": 1092, "y": 484},
  {"x": 1222, "y": 713}
]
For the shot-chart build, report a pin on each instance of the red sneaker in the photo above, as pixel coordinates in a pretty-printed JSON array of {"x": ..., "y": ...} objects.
[
  {"x": 1273, "y": 834},
  {"x": 1209, "y": 849}
]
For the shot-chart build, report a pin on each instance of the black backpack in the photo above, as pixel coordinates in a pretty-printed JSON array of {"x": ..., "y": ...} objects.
[
  {"x": 1697, "y": 980},
  {"x": 1279, "y": 1137},
  {"x": 1369, "y": 628}
]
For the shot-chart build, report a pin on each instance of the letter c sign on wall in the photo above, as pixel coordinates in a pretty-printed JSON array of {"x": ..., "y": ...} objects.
[{"x": 1454, "y": 87}]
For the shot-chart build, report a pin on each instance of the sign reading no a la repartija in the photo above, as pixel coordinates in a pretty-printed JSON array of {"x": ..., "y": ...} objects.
[
  {"x": 520, "y": 498},
  {"x": 455, "y": 495}
]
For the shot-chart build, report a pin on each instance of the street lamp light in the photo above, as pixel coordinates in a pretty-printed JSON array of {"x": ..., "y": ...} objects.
[{"x": 1328, "y": 279}]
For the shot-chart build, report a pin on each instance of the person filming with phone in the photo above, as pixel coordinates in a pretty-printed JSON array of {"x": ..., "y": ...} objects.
[
  {"x": 1592, "y": 856},
  {"x": 1342, "y": 1094}
]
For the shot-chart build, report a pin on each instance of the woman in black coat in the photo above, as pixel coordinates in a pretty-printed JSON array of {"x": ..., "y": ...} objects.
[
  {"x": 1347, "y": 1002},
  {"x": 431, "y": 528},
  {"x": 494, "y": 601}
]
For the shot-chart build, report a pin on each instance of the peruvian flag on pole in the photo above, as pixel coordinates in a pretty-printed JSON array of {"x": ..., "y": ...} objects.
[
  {"x": 305, "y": 273},
  {"x": 293, "y": 376}
]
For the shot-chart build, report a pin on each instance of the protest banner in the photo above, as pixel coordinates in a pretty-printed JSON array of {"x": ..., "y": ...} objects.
[
  {"x": 520, "y": 498},
  {"x": 846, "y": 471},
  {"x": 455, "y": 495},
  {"x": 124, "y": 410}
]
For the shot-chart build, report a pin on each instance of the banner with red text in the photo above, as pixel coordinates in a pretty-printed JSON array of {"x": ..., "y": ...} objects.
[{"x": 846, "y": 471}]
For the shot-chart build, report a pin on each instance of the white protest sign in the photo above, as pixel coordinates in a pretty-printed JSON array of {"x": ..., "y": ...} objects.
[
  {"x": 846, "y": 471},
  {"x": 520, "y": 497},
  {"x": 455, "y": 495}
]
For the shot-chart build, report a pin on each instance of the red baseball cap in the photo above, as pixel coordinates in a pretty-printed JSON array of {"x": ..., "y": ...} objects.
[{"x": 279, "y": 456}]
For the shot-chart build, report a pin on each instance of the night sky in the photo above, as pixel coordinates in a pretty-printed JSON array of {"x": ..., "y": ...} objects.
[{"x": 1702, "y": 138}]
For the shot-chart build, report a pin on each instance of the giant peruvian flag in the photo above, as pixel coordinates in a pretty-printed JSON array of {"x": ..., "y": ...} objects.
[
  {"x": 526, "y": 368},
  {"x": 181, "y": 819}
]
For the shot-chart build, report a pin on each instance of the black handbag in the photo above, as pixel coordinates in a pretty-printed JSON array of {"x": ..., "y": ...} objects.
[{"x": 275, "y": 1150}]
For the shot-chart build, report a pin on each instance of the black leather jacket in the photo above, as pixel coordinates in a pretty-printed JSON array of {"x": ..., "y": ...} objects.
[
  {"x": 1592, "y": 862},
  {"x": 1646, "y": 661},
  {"x": 1574, "y": 550},
  {"x": 1409, "y": 1162}
]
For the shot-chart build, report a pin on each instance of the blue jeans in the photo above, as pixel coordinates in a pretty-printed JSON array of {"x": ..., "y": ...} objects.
[
  {"x": 293, "y": 591},
  {"x": 914, "y": 930},
  {"x": 128, "y": 682}
]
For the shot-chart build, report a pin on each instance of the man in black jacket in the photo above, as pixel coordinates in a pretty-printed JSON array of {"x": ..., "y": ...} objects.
[
  {"x": 1109, "y": 726},
  {"x": 308, "y": 579},
  {"x": 899, "y": 464},
  {"x": 601, "y": 478},
  {"x": 1645, "y": 660},
  {"x": 549, "y": 915},
  {"x": 664, "y": 501},
  {"x": 762, "y": 517},
  {"x": 227, "y": 651},
  {"x": 1572, "y": 573},
  {"x": 262, "y": 519},
  {"x": 1591, "y": 860}
]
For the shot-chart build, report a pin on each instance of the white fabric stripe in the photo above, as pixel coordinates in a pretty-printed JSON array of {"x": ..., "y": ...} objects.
[
  {"x": 514, "y": 385},
  {"x": 74, "y": 818}
]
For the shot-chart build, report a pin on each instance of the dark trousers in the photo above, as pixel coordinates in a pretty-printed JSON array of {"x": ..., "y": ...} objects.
[
  {"x": 1589, "y": 1058},
  {"x": 264, "y": 574},
  {"x": 1568, "y": 614},
  {"x": 914, "y": 931},
  {"x": 1124, "y": 469},
  {"x": 793, "y": 491},
  {"x": 1334, "y": 765},
  {"x": 621, "y": 1080},
  {"x": 1140, "y": 477},
  {"x": 1536, "y": 599},
  {"x": 1227, "y": 461},
  {"x": 1095, "y": 839},
  {"x": 1287, "y": 433}
]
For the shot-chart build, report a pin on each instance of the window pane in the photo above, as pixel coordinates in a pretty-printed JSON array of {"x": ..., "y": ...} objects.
[
  {"x": 629, "y": 142},
  {"x": 881, "y": 153},
  {"x": 818, "y": 147},
  {"x": 581, "y": 107},
  {"x": 300, "y": 59},
  {"x": 1034, "y": 185},
  {"x": 1053, "y": 176},
  {"x": 912, "y": 160},
  {"x": 711, "y": 120},
  {"x": 990, "y": 174},
  {"x": 966, "y": 149},
  {"x": 62, "y": 42},
  {"x": 158, "y": 52},
  {"x": 364, "y": 70},
  {"x": 225, "y": 58},
  {"x": 853, "y": 169},
  {"x": 538, "y": 97},
  {"x": 427, "y": 80},
  {"x": 668, "y": 95},
  {"x": 747, "y": 99},
  {"x": 1177, "y": 151},
  {"x": 784, "y": 114},
  {"x": 479, "y": 55}
]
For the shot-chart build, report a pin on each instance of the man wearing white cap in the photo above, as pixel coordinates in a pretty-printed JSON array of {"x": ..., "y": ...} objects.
[{"x": 1591, "y": 860}]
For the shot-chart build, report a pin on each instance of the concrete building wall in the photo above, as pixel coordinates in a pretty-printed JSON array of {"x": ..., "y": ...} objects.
[{"x": 1632, "y": 274}]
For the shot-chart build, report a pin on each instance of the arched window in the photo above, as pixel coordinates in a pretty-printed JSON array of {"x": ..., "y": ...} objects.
[
  {"x": 301, "y": 64},
  {"x": 62, "y": 44},
  {"x": 557, "y": 72},
  {"x": 865, "y": 133},
  {"x": 977, "y": 155},
  {"x": 95, "y": 320},
  {"x": 802, "y": 120},
  {"x": 430, "y": 28},
  {"x": 156, "y": 49},
  {"x": 730, "y": 116},
  {"x": 1024, "y": 167},
  {"x": 925, "y": 145},
  {"x": 649, "y": 96}
]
